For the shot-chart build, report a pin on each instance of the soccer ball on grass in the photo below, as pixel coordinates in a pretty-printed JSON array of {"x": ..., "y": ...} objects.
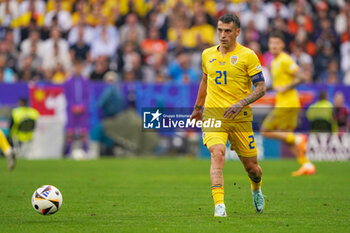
[{"x": 47, "y": 200}]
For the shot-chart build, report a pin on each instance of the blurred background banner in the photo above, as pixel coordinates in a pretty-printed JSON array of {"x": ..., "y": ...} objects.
[
  {"x": 153, "y": 95},
  {"x": 50, "y": 101}
]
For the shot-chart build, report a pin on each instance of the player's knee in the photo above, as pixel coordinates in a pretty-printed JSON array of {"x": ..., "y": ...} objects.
[
  {"x": 253, "y": 169},
  {"x": 218, "y": 155}
]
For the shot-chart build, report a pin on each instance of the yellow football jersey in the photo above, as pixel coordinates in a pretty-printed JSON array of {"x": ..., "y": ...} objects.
[
  {"x": 229, "y": 80},
  {"x": 283, "y": 69}
]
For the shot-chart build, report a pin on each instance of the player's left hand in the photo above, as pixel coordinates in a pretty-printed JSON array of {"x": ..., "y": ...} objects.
[{"x": 232, "y": 111}]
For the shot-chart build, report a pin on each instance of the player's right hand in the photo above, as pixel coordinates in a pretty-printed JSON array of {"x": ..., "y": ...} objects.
[{"x": 196, "y": 114}]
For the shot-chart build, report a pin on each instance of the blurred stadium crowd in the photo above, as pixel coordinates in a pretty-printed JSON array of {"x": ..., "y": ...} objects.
[{"x": 162, "y": 41}]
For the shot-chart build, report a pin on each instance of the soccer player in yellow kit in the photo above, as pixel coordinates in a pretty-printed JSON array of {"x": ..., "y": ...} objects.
[
  {"x": 7, "y": 150},
  {"x": 225, "y": 93},
  {"x": 282, "y": 121}
]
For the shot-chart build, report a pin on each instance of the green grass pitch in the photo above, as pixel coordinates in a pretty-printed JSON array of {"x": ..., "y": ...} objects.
[{"x": 173, "y": 195}]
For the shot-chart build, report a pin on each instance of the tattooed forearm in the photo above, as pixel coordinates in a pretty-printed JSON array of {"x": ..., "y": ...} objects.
[{"x": 258, "y": 92}]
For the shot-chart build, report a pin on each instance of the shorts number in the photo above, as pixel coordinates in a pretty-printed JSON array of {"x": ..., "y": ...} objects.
[
  {"x": 219, "y": 77},
  {"x": 251, "y": 142}
]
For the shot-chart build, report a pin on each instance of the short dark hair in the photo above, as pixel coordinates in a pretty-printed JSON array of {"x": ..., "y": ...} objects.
[
  {"x": 323, "y": 95},
  {"x": 277, "y": 34},
  {"x": 23, "y": 101},
  {"x": 228, "y": 18}
]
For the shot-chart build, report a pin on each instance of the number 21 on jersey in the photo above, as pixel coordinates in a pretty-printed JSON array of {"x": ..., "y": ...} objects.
[{"x": 219, "y": 76}]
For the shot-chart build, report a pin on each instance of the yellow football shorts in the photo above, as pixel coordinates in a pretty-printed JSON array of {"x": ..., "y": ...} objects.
[
  {"x": 240, "y": 136},
  {"x": 281, "y": 119}
]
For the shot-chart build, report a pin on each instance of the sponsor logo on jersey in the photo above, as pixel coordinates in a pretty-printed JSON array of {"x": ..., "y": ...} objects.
[{"x": 212, "y": 60}]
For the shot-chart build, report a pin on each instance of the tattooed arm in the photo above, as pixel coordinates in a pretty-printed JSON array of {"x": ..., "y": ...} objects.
[
  {"x": 202, "y": 93},
  {"x": 258, "y": 92}
]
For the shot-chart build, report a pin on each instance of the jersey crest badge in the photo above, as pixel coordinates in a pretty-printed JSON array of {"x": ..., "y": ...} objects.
[{"x": 233, "y": 60}]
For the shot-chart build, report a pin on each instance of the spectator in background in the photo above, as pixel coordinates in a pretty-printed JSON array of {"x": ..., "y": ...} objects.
[
  {"x": 38, "y": 5},
  {"x": 7, "y": 75},
  {"x": 56, "y": 59},
  {"x": 276, "y": 9},
  {"x": 345, "y": 60},
  {"x": 9, "y": 11},
  {"x": 179, "y": 12},
  {"x": 31, "y": 11},
  {"x": 75, "y": 31},
  {"x": 36, "y": 60},
  {"x": 255, "y": 15},
  {"x": 80, "y": 49},
  {"x": 55, "y": 42},
  {"x": 132, "y": 25},
  {"x": 156, "y": 72},
  {"x": 117, "y": 17},
  {"x": 103, "y": 44},
  {"x": 100, "y": 69},
  {"x": 250, "y": 33},
  {"x": 27, "y": 71},
  {"x": 155, "y": 18},
  {"x": 324, "y": 57},
  {"x": 340, "y": 23},
  {"x": 340, "y": 112},
  {"x": 227, "y": 6},
  {"x": 129, "y": 62},
  {"x": 300, "y": 21},
  {"x": 180, "y": 70},
  {"x": 34, "y": 38},
  {"x": 111, "y": 30},
  {"x": 63, "y": 17},
  {"x": 11, "y": 55},
  {"x": 206, "y": 8},
  {"x": 32, "y": 26},
  {"x": 179, "y": 35},
  {"x": 321, "y": 12},
  {"x": 325, "y": 34},
  {"x": 66, "y": 5},
  {"x": 305, "y": 63},
  {"x": 82, "y": 11},
  {"x": 59, "y": 74},
  {"x": 346, "y": 35},
  {"x": 203, "y": 34},
  {"x": 132, "y": 69},
  {"x": 332, "y": 70},
  {"x": 153, "y": 46},
  {"x": 301, "y": 40},
  {"x": 77, "y": 92}
]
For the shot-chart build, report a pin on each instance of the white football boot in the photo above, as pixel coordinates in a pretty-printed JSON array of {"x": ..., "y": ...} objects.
[{"x": 220, "y": 210}]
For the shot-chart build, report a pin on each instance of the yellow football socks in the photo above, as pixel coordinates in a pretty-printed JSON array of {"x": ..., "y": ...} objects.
[
  {"x": 290, "y": 139},
  {"x": 217, "y": 192},
  {"x": 255, "y": 186},
  {"x": 303, "y": 160},
  {"x": 4, "y": 144}
]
